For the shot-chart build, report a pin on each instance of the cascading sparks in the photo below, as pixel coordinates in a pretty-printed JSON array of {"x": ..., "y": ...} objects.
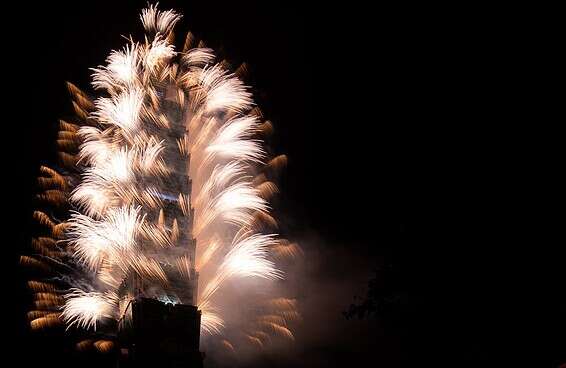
[{"x": 163, "y": 178}]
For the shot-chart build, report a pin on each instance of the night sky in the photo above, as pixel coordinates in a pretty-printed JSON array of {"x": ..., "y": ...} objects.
[{"x": 401, "y": 156}]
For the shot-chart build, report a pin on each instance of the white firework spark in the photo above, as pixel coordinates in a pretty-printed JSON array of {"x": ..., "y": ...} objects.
[
  {"x": 154, "y": 20},
  {"x": 211, "y": 322},
  {"x": 247, "y": 258},
  {"x": 96, "y": 147},
  {"x": 110, "y": 238},
  {"x": 232, "y": 141},
  {"x": 221, "y": 176},
  {"x": 234, "y": 204},
  {"x": 93, "y": 199},
  {"x": 85, "y": 309},
  {"x": 157, "y": 54},
  {"x": 122, "y": 111},
  {"x": 121, "y": 71},
  {"x": 198, "y": 57},
  {"x": 224, "y": 91}
]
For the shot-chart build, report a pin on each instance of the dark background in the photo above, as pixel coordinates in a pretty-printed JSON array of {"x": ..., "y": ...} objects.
[{"x": 411, "y": 144}]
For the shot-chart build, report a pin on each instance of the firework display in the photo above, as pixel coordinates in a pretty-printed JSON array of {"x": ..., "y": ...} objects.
[{"x": 162, "y": 191}]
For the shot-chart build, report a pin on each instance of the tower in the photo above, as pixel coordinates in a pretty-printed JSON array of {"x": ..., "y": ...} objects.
[
  {"x": 163, "y": 119},
  {"x": 159, "y": 323}
]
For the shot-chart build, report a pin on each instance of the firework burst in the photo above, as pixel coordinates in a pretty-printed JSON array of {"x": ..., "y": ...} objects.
[{"x": 162, "y": 181}]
